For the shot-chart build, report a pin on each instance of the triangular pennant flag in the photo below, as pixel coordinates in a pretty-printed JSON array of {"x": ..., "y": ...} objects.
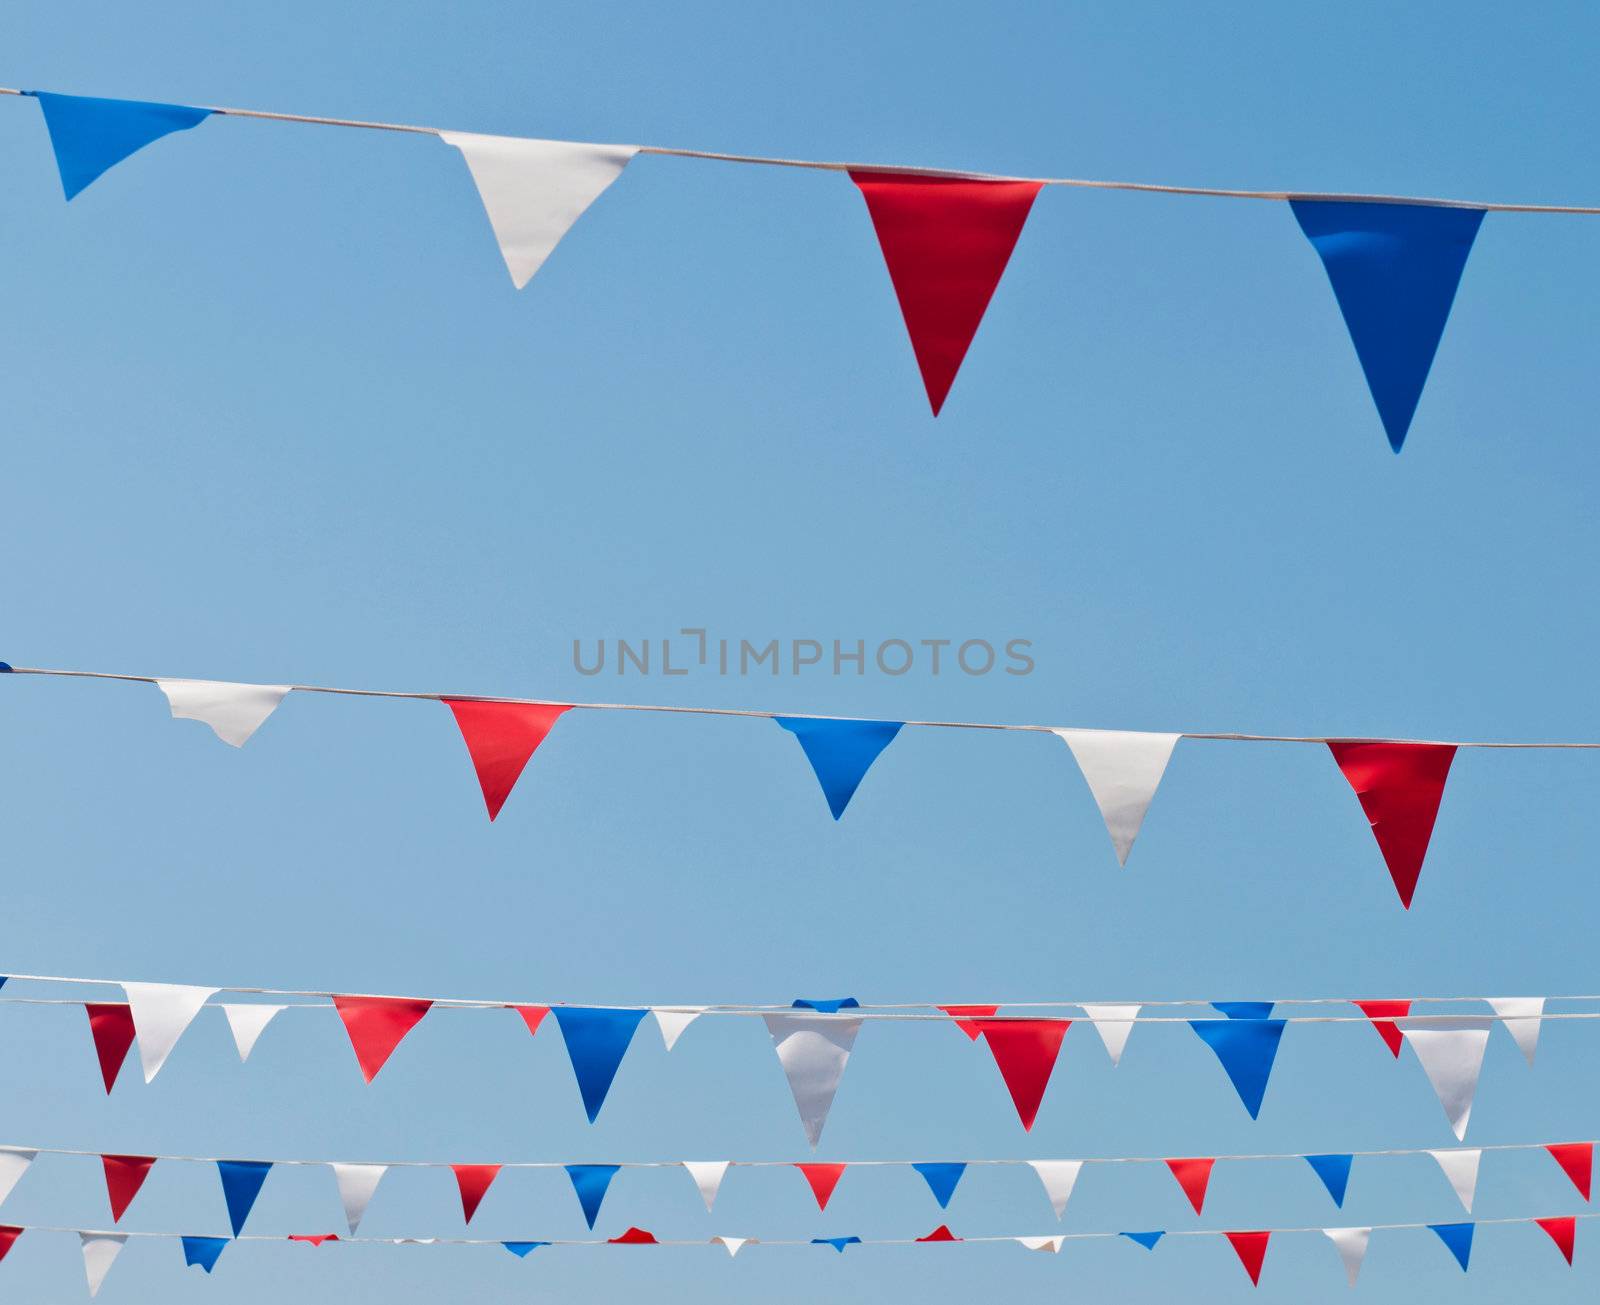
[
  {"x": 708, "y": 1176},
  {"x": 1521, "y": 1016},
  {"x": 357, "y": 1183},
  {"x": 1394, "y": 269},
  {"x": 125, "y": 1175},
  {"x": 10, "y": 1232},
  {"x": 1113, "y": 1021},
  {"x": 376, "y": 1025},
  {"x": 732, "y": 1244},
  {"x": 1059, "y": 1178},
  {"x": 1383, "y": 1014},
  {"x": 161, "y": 1012},
  {"x": 1576, "y": 1160},
  {"x": 313, "y": 1239},
  {"x": 247, "y": 1023},
  {"x": 1451, "y": 1054},
  {"x": 14, "y": 1162},
  {"x": 473, "y": 1182},
  {"x": 111, "y": 1027},
  {"x": 203, "y": 1251},
  {"x": 941, "y": 1180},
  {"x": 633, "y": 1237},
  {"x": 1251, "y": 1248},
  {"x": 100, "y": 1251},
  {"x": 501, "y": 737},
  {"x": 1025, "y": 1052},
  {"x": 822, "y": 1179},
  {"x": 813, "y": 1050},
  {"x": 673, "y": 1020},
  {"x": 1461, "y": 1169},
  {"x": 1458, "y": 1237},
  {"x": 521, "y": 1249},
  {"x": 946, "y": 241},
  {"x": 1123, "y": 768},
  {"x": 90, "y": 136},
  {"x": 590, "y": 1182},
  {"x": 241, "y": 1184},
  {"x": 1247, "y": 1048},
  {"x": 963, "y": 1016},
  {"x": 1351, "y": 1243},
  {"x": 1563, "y": 1232},
  {"x": 597, "y": 1039},
  {"x": 1399, "y": 786},
  {"x": 1245, "y": 1010},
  {"x": 840, "y": 752},
  {"x": 1194, "y": 1176},
  {"x": 234, "y": 711},
  {"x": 534, "y": 190},
  {"x": 532, "y": 1016},
  {"x": 1334, "y": 1170},
  {"x": 1050, "y": 1245},
  {"x": 825, "y": 1005},
  {"x": 1146, "y": 1239},
  {"x": 940, "y": 1234},
  {"x": 838, "y": 1243}
]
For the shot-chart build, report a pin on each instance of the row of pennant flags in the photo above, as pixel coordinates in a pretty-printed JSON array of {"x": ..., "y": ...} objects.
[
  {"x": 814, "y": 1038},
  {"x": 1398, "y": 784},
  {"x": 1394, "y": 263}
]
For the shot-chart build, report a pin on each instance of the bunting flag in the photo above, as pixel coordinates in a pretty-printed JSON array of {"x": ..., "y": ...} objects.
[
  {"x": 964, "y": 1018},
  {"x": 125, "y": 1175},
  {"x": 241, "y": 1184},
  {"x": 1113, "y": 1021},
  {"x": 521, "y": 1249},
  {"x": 1575, "y": 1158},
  {"x": 1458, "y": 1238},
  {"x": 1521, "y": 1017},
  {"x": 14, "y": 1162},
  {"x": 633, "y": 1237},
  {"x": 203, "y": 1251},
  {"x": 500, "y": 738},
  {"x": 532, "y": 1016},
  {"x": 377, "y": 1024},
  {"x": 111, "y": 1027},
  {"x": 1399, "y": 786},
  {"x": 1146, "y": 1239},
  {"x": 247, "y": 1023},
  {"x": 313, "y": 1239},
  {"x": 10, "y": 1232},
  {"x": 708, "y": 1176},
  {"x": 1382, "y": 1015},
  {"x": 838, "y": 1243},
  {"x": 1194, "y": 1176},
  {"x": 234, "y": 711},
  {"x": 1050, "y": 1245},
  {"x": 100, "y": 1251},
  {"x": 813, "y": 1050},
  {"x": 1059, "y": 1177},
  {"x": 473, "y": 1182},
  {"x": 825, "y": 1005},
  {"x": 732, "y": 1244},
  {"x": 840, "y": 752},
  {"x": 90, "y": 136},
  {"x": 1451, "y": 1054},
  {"x": 1351, "y": 1243},
  {"x": 1025, "y": 1052},
  {"x": 597, "y": 1038},
  {"x": 1247, "y": 1047},
  {"x": 1563, "y": 1232},
  {"x": 673, "y": 1020},
  {"x": 357, "y": 1183},
  {"x": 940, "y": 1234},
  {"x": 941, "y": 1180},
  {"x": 1334, "y": 1170},
  {"x": 1251, "y": 1248},
  {"x": 591, "y": 1182},
  {"x": 1461, "y": 1169},
  {"x": 161, "y": 1012},
  {"x": 534, "y": 190},
  {"x": 822, "y": 1179},
  {"x": 946, "y": 242},
  {"x": 1123, "y": 770}
]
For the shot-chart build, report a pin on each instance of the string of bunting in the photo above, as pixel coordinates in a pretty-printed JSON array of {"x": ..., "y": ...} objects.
[{"x": 1394, "y": 262}]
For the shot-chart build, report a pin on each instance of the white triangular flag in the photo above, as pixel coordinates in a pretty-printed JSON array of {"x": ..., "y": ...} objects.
[
  {"x": 246, "y": 1022},
  {"x": 813, "y": 1050},
  {"x": 732, "y": 1244},
  {"x": 1113, "y": 1022},
  {"x": 1352, "y": 1247},
  {"x": 1521, "y": 1017},
  {"x": 1059, "y": 1177},
  {"x": 1451, "y": 1052},
  {"x": 161, "y": 1012},
  {"x": 234, "y": 711},
  {"x": 357, "y": 1183},
  {"x": 1123, "y": 769},
  {"x": 14, "y": 1163},
  {"x": 534, "y": 190},
  {"x": 673, "y": 1020},
  {"x": 99, "y": 1250},
  {"x": 1461, "y": 1168},
  {"x": 707, "y": 1175},
  {"x": 1050, "y": 1244}
]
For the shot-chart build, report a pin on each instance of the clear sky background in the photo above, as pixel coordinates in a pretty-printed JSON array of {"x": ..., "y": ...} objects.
[{"x": 274, "y": 413}]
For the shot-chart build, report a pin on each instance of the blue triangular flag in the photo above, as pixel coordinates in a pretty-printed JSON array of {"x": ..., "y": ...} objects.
[
  {"x": 840, "y": 751},
  {"x": 590, "y": 1183},
  {"x": 596, "y": 1041},
  {"x": 1334, "y": 1170},
  {"x": 91, "y": 135},
  {"x": 942, "y": 1180},
  {"x": 1246, "y": 1047},
  {"x": 521, "y": 1249},
  {"x": 838, "y": 1243},
  {"x": 241, "y": 1184},
  {"x": 1245, "y": 1010},
  {"x": 1146, "y": 1239},
  {"x": 1394, "y": 269},
  {"x": 202, "y": 1251},
  {"x": 1458, "y": 1237},
  {"x": 830, "y": 1006},
  {"x": 3, "y": 978}
]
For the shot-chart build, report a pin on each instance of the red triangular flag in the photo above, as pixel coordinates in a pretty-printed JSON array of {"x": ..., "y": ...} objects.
[
  {"x": 501, "y": 736},
  {"x": 314, "y": 1239},
  {"x": 1577, "y": 1162},
  {"x": 962, "y": 1015},
  {"x": 376, "y": 1025},
  {"x": 1251, "y": 1248},
  {"x": 1383, "y": 1014},
  {"x": 111, "y": 1026},
  {"x": 9, "y": 1233},
  {"x": 1399, "y": 785},
  {"x": 946, "y": 241},
  {"x": 1194, "y": 1176},
  {"x": 1563, "y": 1231},
  {"x": 125, "y": 1175},
  {"x": 633, "y": 1237},
  {"x": 940, "y": 1234},
  {"x": 1025, "y": 1051},
  {"x": 823, "y": 1179},
  {"x": 532, "y": 1016},
  {"x": 473, "y": 1180}
]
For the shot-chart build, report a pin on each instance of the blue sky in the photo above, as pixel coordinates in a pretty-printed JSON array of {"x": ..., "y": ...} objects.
[{"x": 276, "y": 414}]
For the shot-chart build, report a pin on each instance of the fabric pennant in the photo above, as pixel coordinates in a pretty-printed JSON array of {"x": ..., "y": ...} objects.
[
  {"x": 825, "y": 1005},
  {"x": 1458, "y": 1238},
  {"x": 10, "y": 1232},
  {"x": 1059, "y": 1177},
  {"x": 1382, "y": 1014},
  {"x": 708, "y": 1176},
  {"x": 247, "y": 1023},
  {"x": 1146, "y": 1239},
  {"x": 673, "y": 1020},
  {"x": 1025, "y": 1050},
  {"x": 1351, "y": 1243},
  {"x": 1522, "y": 1017},
  {"x": 1563, "y": 1231},
  {"x": 203, "y": 1252},
  {"x": 946, "y": 242},
  {"x": 522, "y": 1249},
  {"x": 840, "y": 752},
  {"x": 1575, "y": 1158},
  {"x": 633, "y": 1237},
  {"x": 500, "y": 738},
  {"x": 1050, "y": 1245},
  {"x": 1123, "y": 768},
  {"x": 1251, "y": 1248},
  {"x": 473, "y": 1182},
  {"x": 591, "y": 1182},
  {"x": 1247, "y": 1049},
  {"x": 1245, "y": 1010},
  {"x": 1461, "y": 1170},
  {"x": 234, "y": 711},
  {"x": 1334, "y": 1170},
  {"x": 597, "y": 1039},
  {"x": 14, "y": 1162},
  {"x": 100, "y": 1251},
  {"x": 964, "y": 1018},
  {"x": 822, "y": 1179},
  {"x": 377, "y": 1024},
  {"x": 1113, "y": 1021},
  {"x": 111, "y": 1027},
  {"x": 357, "y": 1183},
  {"x": 1194, "y": 1176},
  {"x": 313, "y": 1239},
  {"x": 125, "y": 1175},
  {"x": 1399, "y": 786},
  {"x": 532, "y": 1016},
  {"x": 838, "y": 1243},
  {"x": 534, "y": 190},
  {"x": 813, "y": 1050},
  {"x": 1451, "y": 1054},
  {"x": 90, "y": 135},
  {"x": 940, "y": 1234},
  {"x": 941, "y": 1180},
  {"x": 733, "y": 1244},
  {"x": 161, "y": 1012},
  {"x": 241, "y": 1184}
]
